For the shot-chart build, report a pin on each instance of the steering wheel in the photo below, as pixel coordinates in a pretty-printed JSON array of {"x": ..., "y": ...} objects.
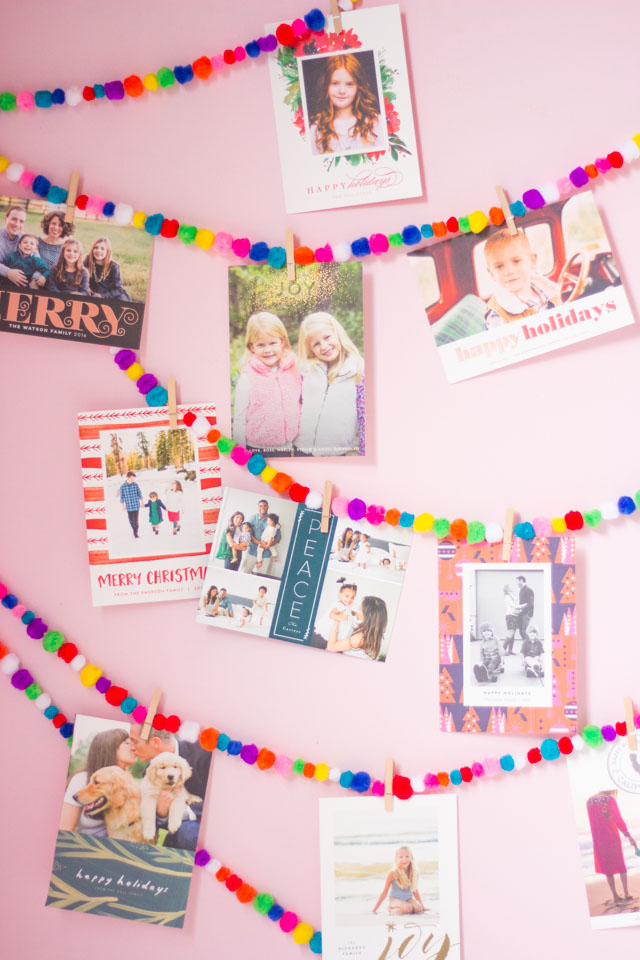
[{"x": 573, "y": 276}]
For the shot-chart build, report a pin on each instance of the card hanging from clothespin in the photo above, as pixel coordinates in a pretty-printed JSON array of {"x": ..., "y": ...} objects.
[
  {"x": 171, "y": 404},
  {"x": 336, "y": 16},
  {"x": 508, "y": 535},
  {"x": 388, "y": 785},
  {"x": 506, "y": 209},
  {"x": 145, "y": 733},
  {"x": 632, "y": 736},
  {"x": 326, "y": 507},
  {"x": 291, "y": 264},
  {"x": 72, "y": 196}
]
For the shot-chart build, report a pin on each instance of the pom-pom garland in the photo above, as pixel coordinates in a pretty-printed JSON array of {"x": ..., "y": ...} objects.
[
  {"x": 155, "y": 395},
  {"x": 22, "y": 680}
]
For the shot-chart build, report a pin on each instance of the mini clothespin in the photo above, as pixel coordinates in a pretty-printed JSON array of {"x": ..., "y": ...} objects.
[
  {"x": 72, "y": 196},
  {"x": 171, "y": 404},
  {"x": 326, "y": 507},
  {"x": 632, "y": 738},
  {"x": 506, "y": 209},
  {"x": 145, "y": 733},
  {"x": 291, "y": 264},
  {"x": 388, "y": 785},
  {"x": 336, "y": 16},
  {"x": 508, "y": 535}
]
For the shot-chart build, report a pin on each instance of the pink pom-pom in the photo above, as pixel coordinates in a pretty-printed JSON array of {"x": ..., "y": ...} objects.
[
  {"x": 339, "y": 506},
  {"x": 431, "y": 781},
  {"x": 27, "y": 178},
  {"x": 139, "y": 713},
  {"x": 19, "y": 609},
  {"x": 218, "y": 62},
  {"x": 288, "y": 921},
  {"x": 25, "y": 100},
  {"x": 491, "y": 767},
  {"x": 3, "y": 591},
  {"x": 323, "y": 254},
  {"x": 603, "y": 165},
  {"x": 222, "y": 242},
  {"x": 241, "y": 247},
  {"x": 283, "y": 764},
  {"x": 95, "y": 204},
  {"x": 564, "y": 186},
  {"x": 240, "y": 456},
  {"x": 240, "y": 53},
  {"x": 542, "y": 526},
  {"x": 477, "y": 770},
  {"x": 299, "y": 28},
  {"x": 379, "y": 243},
  {"x": 377, "y": 788}
]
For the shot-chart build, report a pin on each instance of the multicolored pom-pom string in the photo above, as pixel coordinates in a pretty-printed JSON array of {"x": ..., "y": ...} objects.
[
  {"x": 153, "y": 392},
  {"x": 21, "y": 679}
]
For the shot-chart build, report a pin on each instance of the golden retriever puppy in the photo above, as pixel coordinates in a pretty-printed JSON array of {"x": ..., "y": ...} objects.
[
  {"x": 114, "y": 793},
  {"x": 166, "y": 773}
]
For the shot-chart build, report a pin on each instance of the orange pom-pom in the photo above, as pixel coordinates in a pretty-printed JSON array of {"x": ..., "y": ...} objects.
[
  {"x": 281, "y": 482},
  {"x": 3, "y": 650},
  {"x": 209, "y": 738},
  {"x": 591, "y": 170},
  {"x": 213, "y": 436},
  {"x": 303, "y": 256},
  {"x": 246, "y": 893},
  {"x": 392, "y": 517},
  {"x": 308, "y": 770},
  {"x": 458, "y": 529},
  {"x": 496, "y": 216},
  {"x": 222, "y": 874},
  {"x": 439, "y": 229},
  {"x": 202, "y": 67},
  {"x": 133, "y": 86},
  {"x": 443, "y": 779},
  {"x": 266, "y": 759}
]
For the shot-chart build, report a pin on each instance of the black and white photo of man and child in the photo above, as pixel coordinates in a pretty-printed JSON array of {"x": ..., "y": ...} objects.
[{"x": 497, "y": 642}]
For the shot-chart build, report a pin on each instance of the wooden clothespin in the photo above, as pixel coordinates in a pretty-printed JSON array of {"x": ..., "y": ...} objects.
[
  {"x": 291, "y": 264},
  {"x": 508, "y": 535},
  {"x": 388, "y": 785},
  {"x": 326, "y": 507},
  {"x": 336, "y": 16},
  {"x": 171, "y": 404},
  {"x": 72, "y": 196},
  {"x": 145, "y": 733},
  {"x": 632, "y": 738},
  {"x": 506, "y": 209}
]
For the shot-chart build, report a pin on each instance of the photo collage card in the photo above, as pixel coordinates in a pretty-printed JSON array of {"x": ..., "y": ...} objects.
[
  {"x": 507, "y": 645},
  {"x": 151, "y": 500},
  {"x": 130, "y": 821},
  {"x": 273, "y": 573},
  {"x": 84, "y": 281}
]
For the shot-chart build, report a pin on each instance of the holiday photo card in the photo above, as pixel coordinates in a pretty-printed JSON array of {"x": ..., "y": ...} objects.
[
  {"x": 297, "y": 360},
  {"x": 493, "y": 299},
  {"x": 84, "y": 281},
  {"x": 389, "y": 880},
  {"x": 273, "y": 573},
  {"x": 129, "y": 824},
  {"x": 344, "y": 115},
  {"x": 508, "y": 637},
  {"x": 605, "y": 784},
  {"x": 151, "y": 499}
]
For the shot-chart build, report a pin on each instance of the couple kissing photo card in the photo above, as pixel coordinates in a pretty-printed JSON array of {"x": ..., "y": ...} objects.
[
  {"x": 273, "y": 573},
  {"x": 390, "y": 880},
  {"x": 130, "y": 822},
  {"x": 507, "y": 644},
  {"x": 297, "y": 360},
  {"x": 493, "y": 299},
  {"x": 343, "y": 114},
  {"x": 151, "y": 499},
  {"x": 84, "y": 281}
]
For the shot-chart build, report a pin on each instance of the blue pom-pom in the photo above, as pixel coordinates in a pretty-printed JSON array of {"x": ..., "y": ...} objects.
[
  {"x": 361, "y": 781},
  {"x": 99, "y": 91},
  {"x": 315, "y": 944},
  {"x": 252, "y": 48},
  {"x": 406, "y": 519},
  {"x": 153, "y": 224},
  {"x": 259, "y": 251},
  {"x": 507, "y": 762},
  {"x": 518, "y": 208},
  {"x": 51, "y": 712},
  {"x": 223, "y": 742},
  {"x": 360, "y": 247},
  {"x": 411, "y": 235},
  {"x": 346, "y": 779},
  {"x": 183, "y": 74},
  {"x": 109, "y": 209},
  {"x": 256, "y": 464},
  {"x": 57, "y": 195},
  {"x": 66, "y": 730},
  {"x": 456, "y": 777},
  {"x": 276, "y": 912},
  {"x": 550, "y": 749},
  {"x": 426, "y": 230},
  {"x": 157, "y": 397},
  {"x": 27, "y": 617},
  {"x": 128, "y": 705},
  {"x": 626, "y": 505},
  {"x": 524, "y": 530},
  {"x": 41, "y": 185},
  {"x": 57, "y": 96},
  {"x": 277, "y": 257},
  {"x": 43, "y": 98},
  {"x": 10, "y": 601},
  {"x": 315, "y": 19},
  {"x": 234, "y": 747}
]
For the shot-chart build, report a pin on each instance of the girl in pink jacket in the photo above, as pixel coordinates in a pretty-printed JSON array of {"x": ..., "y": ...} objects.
[{"x": 266, "y": 413}]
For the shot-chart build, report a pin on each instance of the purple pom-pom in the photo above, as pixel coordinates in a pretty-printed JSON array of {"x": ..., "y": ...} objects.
[
  {"x": 356, "y": 509},
  {"x": 21, "y": 679},
  {"x": 146, "y": 382},
  {"x": 114, "y": 90},
  {"x": 267, "y": 43},
  {"x": 124, "y": 359},
  {"x": 102, "y": 684},
  {"x": 609, "y": 733},
  {"x": 201, "y": 858},
  {"x": 37, "y": 629},
  {"x": 249, "y": 753},
  {"x": 579, "y": 177},
  {"x": 533, "y": 199}
]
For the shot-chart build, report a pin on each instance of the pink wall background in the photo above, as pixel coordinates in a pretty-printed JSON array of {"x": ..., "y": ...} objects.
[{"x": 503, "y": 92}]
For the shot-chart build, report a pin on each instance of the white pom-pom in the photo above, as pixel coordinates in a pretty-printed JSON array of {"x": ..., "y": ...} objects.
[
  {"x": 550, "y": 192},
  {"x": 493, "y": 533},
  {"x": 43, "y": 701},
  {"x": 578, "y": 743},
  {"x": 213, "y": 866},
  {"x": 78, "y": 663},
  {"x": 609, "y": 510},
  {"x": 114, "y": 350},
  {"x": 73, "y": 96},
  {"x": 123, "y": 214},
  {"x": 417, "y": 784},
  {"x": 10, "y": 663},
  {"x": 345, "y": 5},
  {"x": 14, "y": 171},
  {"x": 189, "y": 730},
  {"x": 630, "y": 151},
  {"x": 341, "y": 252},
  {"x": 201, "y": 426},
  {"x": 313, "y": 500},
  {"x": 335, "y": 774},
  {"x": 519, "y": 761}
]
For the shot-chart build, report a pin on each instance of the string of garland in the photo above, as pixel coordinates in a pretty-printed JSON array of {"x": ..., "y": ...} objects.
[
  {"x": 135, "y": 86},
  {"x": 263, "y": 903},
  {"x": 211, "y": 739},
  {"x": 377, "y": 244},
  {"x": 147, "y": 383}
]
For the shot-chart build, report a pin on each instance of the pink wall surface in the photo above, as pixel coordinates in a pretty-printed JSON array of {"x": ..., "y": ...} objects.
[{"x": 503, "y": 93}]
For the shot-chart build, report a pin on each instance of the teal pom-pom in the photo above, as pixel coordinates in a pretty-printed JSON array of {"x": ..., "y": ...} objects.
[
  {"x": 592, "y": 735},
  {"x": 153, "y": 224},
  {"x": 57, "y": 195},
  {"x": 426, "y": 230},
  {"x": 128, "y": 705},
  {"x": 507, "y": 763},
  {"x": 518, "y": 208},
  {"x": 456, "y": 777},
  {"x": 346, "y": 779},
  {"x": 43, "y": 99},
  {"x": 157, "y": 397},
  {"x": 256, "y": 464},
  {"x": 99, "y": 91},
  {"x": 549, "y": 749},
  {"x": 315, "y": 944},
  {"x": 441, "y": 527},
  {"x": 51, "y": 712},
  {"x": 223, "y": 742},
  {"x": 406, "y": 519},
  {"x": 277, "y": 257},
  {"x": 475, "y": 532},
  {"x": 524, "y": 530},
  {"x": 27, "y": 617}
]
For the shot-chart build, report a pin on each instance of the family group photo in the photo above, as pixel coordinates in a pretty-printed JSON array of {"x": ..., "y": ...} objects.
[
  {"x": 297, "y": 360},
  {"x": 152, "y": 492},
  {"x": 238, "y": 602},
  {"x": 253, "y": 534},
  {"x": 360, "y": 547}
]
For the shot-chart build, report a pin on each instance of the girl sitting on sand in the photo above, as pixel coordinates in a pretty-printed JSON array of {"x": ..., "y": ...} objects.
[{"x": 402, "y": 885}]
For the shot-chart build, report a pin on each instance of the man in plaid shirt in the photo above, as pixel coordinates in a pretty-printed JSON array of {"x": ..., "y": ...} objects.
[{"x": 132, "y": 500}]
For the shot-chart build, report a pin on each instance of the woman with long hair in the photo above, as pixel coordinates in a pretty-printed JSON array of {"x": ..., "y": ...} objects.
[
  {"x": 346, "y": 109},
  {"x": 105, "y": 280},
  {"x": 210, "y": 602},
  {"x": 366, "y": 640},
  {"x": 230, "y": 542},
  {"x": 109, "y": 748},
  {"x": 343, "y": 545},
  {"x": 69, "y": 275}
]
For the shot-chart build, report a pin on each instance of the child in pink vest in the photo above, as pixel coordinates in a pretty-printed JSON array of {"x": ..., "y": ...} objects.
[{"x": 266, "y": 413}]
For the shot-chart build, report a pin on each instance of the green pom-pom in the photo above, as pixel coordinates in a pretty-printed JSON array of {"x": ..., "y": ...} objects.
[
  {"x": 592, "y": 517},
  {"x": 463, "y": 226},
  {"x": 475, "y": 532},
  {"x": 226, "y": 445},
  {"x": 33, "y": 691},
  {"x": 52, "y": 641},
  {"x": 7, "y": 101},
  {"x": 395, "y": 239},
  {"x": 592, "y": 735},
  {"x": 165, "y": 77},
  {"x": 263, "y": 903},
  {"x": 637, "y": 499},
  {"x": 298, "y": 765},
  {"x": 187, "y": 234},
  {"x": 441, "y": 527}
]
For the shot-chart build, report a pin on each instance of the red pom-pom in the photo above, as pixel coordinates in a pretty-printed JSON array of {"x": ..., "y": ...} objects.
[
  {"x": 58, "y": 720},
  {"x": 81, "y": 201},
  {"x": 285, "y": 35},
  {"x": 67, "y": 652},
  {"x": 458, "y": 529},
  {"x": 189, "y": 418},
  {"x": 402, "y": 788},
  {"x": 133, "y": 86},
  {"x": 266, "y": 759},
  {"x": 169, "y": 228},
  {"x": 466, "y": 774},
  {"x": 303, "y": 256},
  {"x": 298, "y": 493},
  {"x": 229, "y": 56},
  {"x": 159, "y": 722},
  {"x": 621, "y": 728},
  {"x": 565, "y": 746},
  {"x": 574, "y": 520},
  {"x": 308, "y": 770},
  {"x": 233, "y": 883},
  {"x": 202, "y": 67},
  {"x": 534, "y": 755},
  {"x": 88, "y": 94},
  {"x": 615, "y": 158},
  {"x": 496, "y": 216},
  {"x": 439, "y": 229},
  {"x": 173, "y": 723},
  {"x": 452, "y": 225},
  {"x": 115, "y": 695}
]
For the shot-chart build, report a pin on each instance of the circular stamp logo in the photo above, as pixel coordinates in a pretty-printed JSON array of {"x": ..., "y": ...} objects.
[{"x": 624, "y": 767}]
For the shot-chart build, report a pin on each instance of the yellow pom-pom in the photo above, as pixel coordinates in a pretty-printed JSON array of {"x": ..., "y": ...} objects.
[
  {"x": 90, "y": 674},
  {"x": 268, "y": 474},
  {"x": 139, "y": 218},
  {"x": 423, "y": 522},
  {"x": 135, "y": 371},
  {"x": 4, "y": 163},
  {"x": 477, "y": 221},
  {"x": 205, "y": 238},
  {"x": 151, "y": 81},
  {"x": 321, "y": 771},
  {"x": 635, "y": 139},
  {"x": 302, "y": 933},
  {"x": 559, "y": 524}
]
